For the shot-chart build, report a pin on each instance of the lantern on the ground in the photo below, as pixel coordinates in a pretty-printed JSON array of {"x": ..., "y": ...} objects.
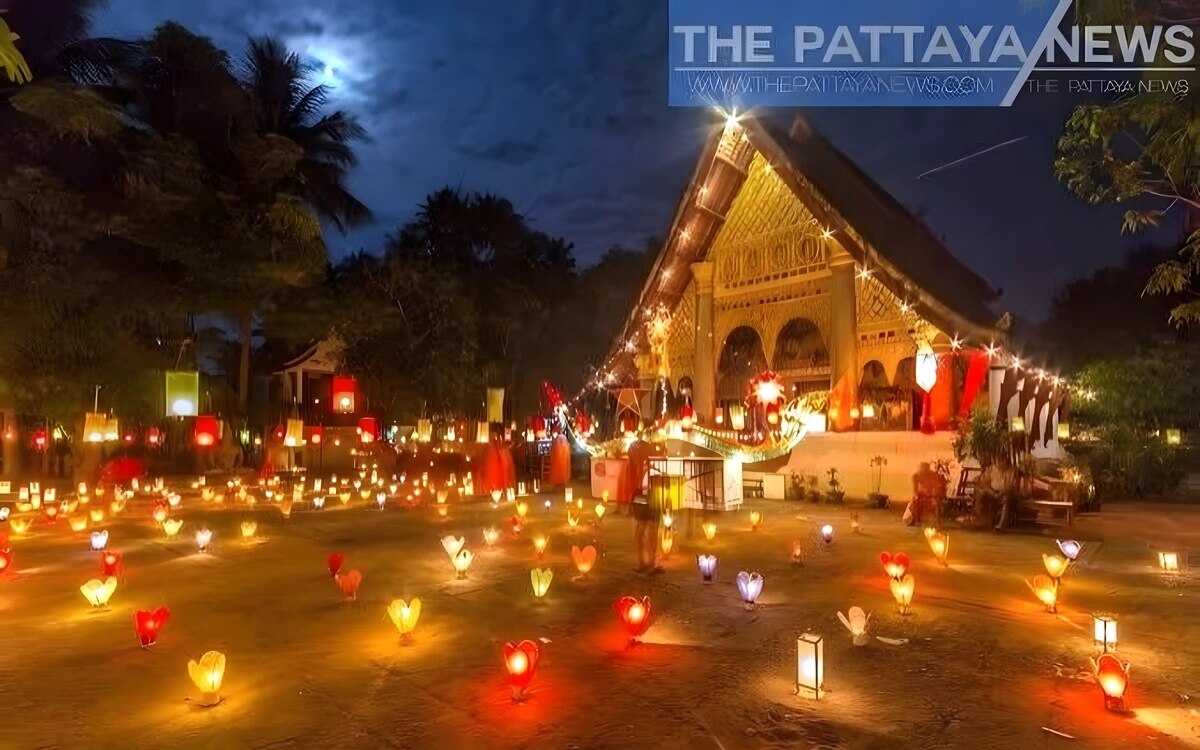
[
  {"x": 490, "y": 535},
  {"x": 902, "y": 591},
  {"x": 349, "y": 584},
  {"x": 539, "y": 579},
  {"x": 424, "y": 430},
  {"x": 755, "y": 520},
  {"x": 600, "y": 511},
  {"x": 1045, "y": 589},
  {"x": 810, "y": 664},
  {"x": 110, "y": 563},
  {"x": 462, "y": 561},
  {"x": 572, "y": 519},
  {"x": 1113, "y": 676},
  {"x": 708, "y": 567},
  {"x": 183, "y": 393},
  {"x": 19, "y": 526},
  {"x": 207, "y": 430},
  {"x": 710, "y": 530},
  {"x": 939, "y": 543},
  {"x": 334, "y": 562},
  {"x": 584, "y": 559},
  {"x": 1069, "y": 547},
  {"x": 750, "y": 586},
  {"x": 827, "y": 533},
  {"x": 148, "y": 623},
  {"x": 1168, "y": 561},
  {"x": 453, "y": 545},
  {"x": 667, "y": 542},
  {"x": 98, "y": 592},
  {"x": 894, "y": 565},
  {"x": 520, "y": 660},
  {"x": 99, "y": 540},
  {"x": 521, "y": 507},
  {"x": 203, "y": 539},
  {"x": 404, "y": 616},
  {"x": 1055, "y": 566},
  {"x": 856, "y": 623},
  {"x": 5, "y": 561},
  {"x": 78, "y": 523},
  {"x": 207, "y": 674},
  {"x": 171, "y": 527},
  {"x": 1104, "y": 632},
  {"x": 540, "y": 542},
  {"x": 344, "y": 391},
  {"x": 249, "y": 529},
  {"x": 634, "y": 614}
]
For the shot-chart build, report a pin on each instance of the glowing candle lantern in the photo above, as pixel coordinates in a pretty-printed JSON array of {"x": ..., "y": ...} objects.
[
  {"x": 149, "y": 623},
  {"x": 600, "y": 511},
  {"x": 99, "y": 540},
  {"x": 1174, "y": 436},
  {"x": 96, "y": 515},
  {"x": 490, "y": 535},
  {"x": 344, "y": 497},
  {"x": 540, "y": 542},
  {"x": 1045, "y": 589},
  {"x": 708, "y": 567},
  {"x": 183, "y": 393},
  {"x": 827, "y": 534},
  {"x": 249, "y": 529},
  {"x": 710, "y": 530},
  {"x": 349, "y": 584},
  {"x": 1056, "y": 566},
  {"x": 572, "y": 519},
  {"x": 19, "y": 526},
  {"x": 1113, "y": 676},
  {"x": 496, "y": 495},
  {"x": 203, "y": 538},
  {"x": 1104, "y": 632},
  {"x": 98, "y": 592},
  {"x": 368, "y": 430},
  {"x": 894, "y": 565},
  {"x": 78, "y": 523},
  {"x": 110, "y": 563},
  {"x": 667, "y": 542},
  {"x": 522, "y": 509},
  {"x": 737, "y": 417},
  {"x": 798, "y": 552},
  {"x": 343, "y": 389},
  {"x": 160, "y": 513},
  {"x": 539, "y": 579},
  {"x": 171, "y": 527},
  {"x": 569, "y": 495},
  {"x": 755, "y": 520},
  {"x": 334, "y": 562},
  {"x": 902, "y": 591},
  {"x": 520, "y": 660},
  {"x": 318, "y": 502},
  {"x": 1168, "y": 561},
  {"x": 207, "y": 674},
  {"x": 207, "y": 431},
  {"x": 381, "y": 499},
  {"x": 750, "y": 586},
  {"x": 462, "y": 561},
  {"x": 810, "y": 664},
  {"x": 667, "y": 520},
  {"x": 856, "y": 623},
  {"x": 926, "y": 367},
  {"x": 939, "y": 543},
  {"x": 453, "y": 545},
  {"x": 5, "y": 561},
  {"x": 634, "y": 614},
  {"x": 93, "y": 427},
  {"x": 51, "y": 513},
  {"x": 404, "y": 616},
  {"x": 584, "y": 559}
]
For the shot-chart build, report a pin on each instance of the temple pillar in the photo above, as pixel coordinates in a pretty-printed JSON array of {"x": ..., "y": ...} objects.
[
  {"x": 843, "y": 343},
  {"x": 704, "y": 371}
]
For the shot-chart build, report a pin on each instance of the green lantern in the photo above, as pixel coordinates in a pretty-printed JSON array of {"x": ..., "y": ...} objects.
[{"x": 183, "y": 393}]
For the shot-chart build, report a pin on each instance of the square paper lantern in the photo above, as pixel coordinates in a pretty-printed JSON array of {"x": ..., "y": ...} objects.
[
  {"x": 1104, "y": 631},
  {"x": 368, "y": 429},
  {"x": 207, "y": 430},
  {"x": 344, "y": 390},
  {"x": 183, "y": 393},
  {"x": 94, "y": 426},
  {"x": 294, "y": 433},
  {"x": 112, "y": 430},
  {"x": 810, "y": 664},
  {"x": 1174, "y": 437},
  {"x": 483, "y": 433},
  {"x": 316, "y": 435}
]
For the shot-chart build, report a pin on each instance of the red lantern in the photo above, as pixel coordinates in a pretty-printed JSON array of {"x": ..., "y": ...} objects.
[
  {"x": 149, "y": 623},
  {"x": 687, "y": 417},
  {"x": 279, "y": 433},
  {"x": 349, "y": 583},
  {"x": 772, "y": 413},
  {"x": 129, "y": 438},
  {"x": 335, "y": 562},
  {"x": 368, "y": 429},
  {"x": 520, "y": 659},
  {"x": 634, "y": 614},
  {"x": 538, "y": 424},
  {"x": 344, "y": 394},
  {"x": 110, "y": 563},
  {"x": 316, "y": 434},
  {"x": 1113, "y": 676},
  {"x": 153, "y": 436},
  {"x": 5, "y": 561},
  {"x": 51, "y": 512},
  {"x": 40, "y": 438},
  {"x": 894, "y": 565},
  {"x": 207, "y": 430}
]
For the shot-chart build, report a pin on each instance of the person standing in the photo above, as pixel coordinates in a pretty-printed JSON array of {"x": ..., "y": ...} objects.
[{"x": 645, "y": 515}]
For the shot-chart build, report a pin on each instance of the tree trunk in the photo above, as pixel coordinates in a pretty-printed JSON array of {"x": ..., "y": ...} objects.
[{"x": 245, "y": 335}]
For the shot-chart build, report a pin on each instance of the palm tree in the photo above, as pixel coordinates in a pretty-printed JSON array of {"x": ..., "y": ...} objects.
[{"x": 287, "y": 103}]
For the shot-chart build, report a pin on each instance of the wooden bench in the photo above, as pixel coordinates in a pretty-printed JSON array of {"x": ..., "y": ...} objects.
[
  {"x": 1047, "y": 512},
  {"x": 752, "y": 488}
]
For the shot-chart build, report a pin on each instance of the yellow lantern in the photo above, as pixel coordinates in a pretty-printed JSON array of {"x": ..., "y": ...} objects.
[
  {"x": 207, "y": 674},
  {"x": 1016, "y": 424},
  {"x": 572, "y": 519},
  {"x": 78, "y": 523},
  {"x": 902, "y": 592},
  {"x": 755, "y": 520},
  {"x": 522, "y": 509},
  {"x": 495, "y": 405},
  {"x": 540, "y": 542},
  {"x": 183, "y": 393},
  {"x": 540, "y": 579},
  {"x": 600, "y": 511},
  {"x": 96, "y": 515},
  {"x": 584, "y": 559},
  {"x": 1063, "y": 430},
  {"x": 737, "y": 417},
  {"x": 483, "y": 433},
  {"x": 171, "y": 527},
  {"x": 405, "y": 615},
  {"x": 98, "y": 592},
  {"x": 1169, "y": 561},
  {"x": 453, "y": 545},
  {"x": 94, "y": 426},
  {"x": 939, "y": 543},
  {"x": 1045, "y": 589},
  {"x": 710, "y": 530},
  {"x": 249, "y": 529},
  {"x": 19, "y": 526},
  {"x": 293, "y": 434},
  {"x": 462, "y": 561},
  {"x": 1056, "y": 566},
  {"x": 490, "y": 535},
  {"x": 1174, "y": 437},
  {"x": 668, "y": 542}
]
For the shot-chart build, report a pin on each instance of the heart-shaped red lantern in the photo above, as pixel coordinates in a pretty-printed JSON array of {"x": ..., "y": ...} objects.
[
  {"x": 5, "y": 561},
  {"x": 110, "y": 563},
  {"x": 335, "y": 562},
  {"x": 5, "y": 545},
  {"x": 148, "y": 623},
  {"x": 634, "y": 613},
  {"x": 520, "y": 659},
  {"x": 349, "y": 582},
  {"x": 51, "y": 512},
  {"x": 895, "y": 565}
]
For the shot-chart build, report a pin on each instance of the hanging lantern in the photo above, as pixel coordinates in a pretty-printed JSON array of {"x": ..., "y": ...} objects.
[
  {"x": 153, "y": 436},
  {"x": 424, "y": 430},
  {"x": 148, "y": 623},
  {"x": 1104, "y": 632},
  {"x": 1069, "y": 547},
  {"x": 112, "y": 430},
  {"x": 895, "y": 565},
  {"x": 483, "y": 433},
  {"x": 453, "y": 545},
  {"x": 93, "y": 427},
  {"x": 750, "y": 586},
  {"x": 404, "y": 616},
  {"x": 344, "y": 391},
  {"x": 462, "y": 561},
  {"x": 183, "y": 393},
  {"x": 856, "y": 623},
  {"x": 902, "y": 591},
  {"x": 810, "y": 664},
  {"x": 1045, "y": 589},
  {"x": 98, "y": 592},
  {"x": 293, "y": 434},
  {"x": 207, "y": 431},
  {"x": 634, "y": 614},
  {"x": 1055, "y": 566},
  {"x": 1113, "y": 676},
  {"x": 40, "y": 438},
  {"x": 368, "y": 430},
  {"x": 539, "y": 579},
  {"x": 939, "y": 543},
  {"x": 926, "y": 367},
  {"x": 737, "y": 417},
  {"x": 771, "y": 411},
  {"x": 495, "y": 405},
  {"x": 868, "y": 410},
  {"x": 349, "y": 584},
  {"x": 687, "y": 417},
  {"x": 584, "y": 559},
  {"x": 520, "y": 660},
  {"x": 207, "y": 675},
  {"x": 719, "y": 416},
  {"x": 708, "y": 567}
]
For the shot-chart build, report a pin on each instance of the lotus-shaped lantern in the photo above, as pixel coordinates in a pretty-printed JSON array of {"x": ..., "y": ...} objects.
[{"x": 856, "y": 623}]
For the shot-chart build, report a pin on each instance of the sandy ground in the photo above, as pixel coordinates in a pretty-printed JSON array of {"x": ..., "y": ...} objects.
[{"x": 984, "y": 665}]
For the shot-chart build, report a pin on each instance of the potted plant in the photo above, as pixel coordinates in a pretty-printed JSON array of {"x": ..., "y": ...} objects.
[
  {"x": 875, "y": 498},
  {"x": 836, "y": 492}
]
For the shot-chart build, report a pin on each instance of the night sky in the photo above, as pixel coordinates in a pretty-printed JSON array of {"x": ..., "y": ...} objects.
[{"x": 561, "y": 107}]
